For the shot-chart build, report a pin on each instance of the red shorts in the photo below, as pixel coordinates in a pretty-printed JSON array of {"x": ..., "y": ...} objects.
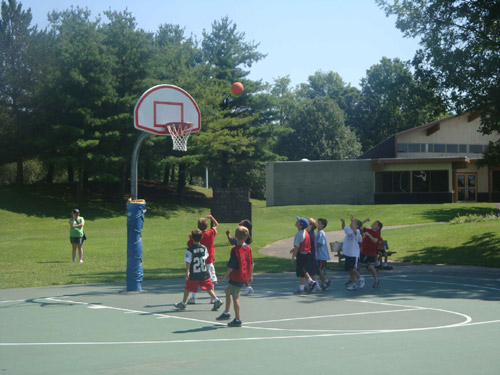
[{"x": 192, "y": 285}]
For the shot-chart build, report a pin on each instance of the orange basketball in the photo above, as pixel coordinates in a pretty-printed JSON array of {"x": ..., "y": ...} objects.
[{"x": 237, "y": 88}]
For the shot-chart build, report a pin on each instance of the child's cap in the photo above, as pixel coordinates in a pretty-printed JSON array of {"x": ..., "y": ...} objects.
[
  {"x": 303, "y": 222},
  {"x": 76, "y": 211}
]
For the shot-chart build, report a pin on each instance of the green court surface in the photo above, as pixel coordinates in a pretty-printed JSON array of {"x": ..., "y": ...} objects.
[{"x": 421, "y": 320}]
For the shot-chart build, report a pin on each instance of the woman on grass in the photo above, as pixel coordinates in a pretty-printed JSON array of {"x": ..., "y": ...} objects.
[{"x": 76, "y": 234}]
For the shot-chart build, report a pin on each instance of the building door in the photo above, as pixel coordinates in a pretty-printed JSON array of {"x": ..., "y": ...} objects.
[{"x": 466, "y": 187}]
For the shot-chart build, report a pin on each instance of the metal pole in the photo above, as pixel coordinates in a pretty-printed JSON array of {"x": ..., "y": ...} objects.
[
  {"x": 206, "y": 178},
  {"x": 134, "y": 163}
]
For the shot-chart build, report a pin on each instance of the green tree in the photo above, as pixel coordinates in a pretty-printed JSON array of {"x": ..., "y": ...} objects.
[
  {"x": 238, "y": 131},
  {"x": 319, "y": 132},
  {"x": 81, "y": 87},
  {"x": 18, "y": 76},
  {"x": 460, "y": 54},
  {"x": 392, "y": 100}
]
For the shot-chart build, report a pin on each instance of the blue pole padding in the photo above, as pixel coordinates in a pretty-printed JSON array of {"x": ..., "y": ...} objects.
[{"x": 135, "y": 222}]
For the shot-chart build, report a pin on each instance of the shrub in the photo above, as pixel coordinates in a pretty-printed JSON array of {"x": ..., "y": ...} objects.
[{"x": 474, "y": 218}]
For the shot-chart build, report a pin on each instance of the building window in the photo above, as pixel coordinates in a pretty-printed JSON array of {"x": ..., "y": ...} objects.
[
  {"x": 496, "y": 181},
  {"x": 402, "y": 147},
  {"x": 430, "y": 147},
  {"x": 416, "y": 147},
  {"x": 392, "y": 182},
  {"x": 476, "y": 149},
  {"x": 452, "y": 149},
  {"x": 439, "y": 182},
  {"x": 439, "y": 147},
  {"x": 462, "y": 148},
  {"x": 420, "y": 182}
]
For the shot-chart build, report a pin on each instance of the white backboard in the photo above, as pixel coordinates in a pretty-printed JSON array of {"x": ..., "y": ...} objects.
[{"x": 162, "y": 104}]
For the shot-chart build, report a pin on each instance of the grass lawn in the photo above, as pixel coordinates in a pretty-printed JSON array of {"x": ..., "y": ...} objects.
[{"x": 35, "y": 249}]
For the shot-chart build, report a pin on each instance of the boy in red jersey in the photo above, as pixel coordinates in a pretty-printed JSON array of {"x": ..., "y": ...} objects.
[
  {"x": 371, "y": 240},
  {"x": 207, "y": 239},
  {"x": 197, "y": 272},
  {"x": 240, "y": 272},
  {"x": 302, "y": 251}
]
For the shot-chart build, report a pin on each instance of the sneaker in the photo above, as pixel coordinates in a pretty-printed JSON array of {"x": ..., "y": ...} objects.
[
  {"x": 312, "y": 286},
  {"x": 180, "y": 305},
  {"x": 217, "y": 304},
  {"x": 375, "y": 284},
  {"x": 317, "y": 288},
  {"x": 352, "y": 286},
  {"x": 349, "y": 282},
  {"x": 361, "y": 283},
  {"x": 298, "y": 291},
  {"x": 328, "y": 282},
  {"x": 223, "y": 316},
  {"x": 386, "y": 267},
  {"x": 191, "y": 301},
  {"x": 81, "y": 261},
  {"x": 234, "y": 323}
]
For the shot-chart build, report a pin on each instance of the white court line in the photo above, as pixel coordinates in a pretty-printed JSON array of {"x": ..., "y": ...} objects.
[
  {"x": 17, "y": 300},
  {"x": 396, "y": 278},
  {"x": 466, "y": 323},
  {"x": 235, "y": 339},
  {"x": 333, "y": 316}
]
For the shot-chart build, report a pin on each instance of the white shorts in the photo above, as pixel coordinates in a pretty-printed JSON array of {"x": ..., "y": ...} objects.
[{"x": 211, "y": 271}]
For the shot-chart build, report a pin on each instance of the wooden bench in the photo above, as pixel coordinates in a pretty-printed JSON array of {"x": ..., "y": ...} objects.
[{"x": 336, "y": 248}]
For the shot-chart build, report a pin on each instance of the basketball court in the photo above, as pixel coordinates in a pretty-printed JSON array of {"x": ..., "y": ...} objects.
[{"x": 422, "y": 319}]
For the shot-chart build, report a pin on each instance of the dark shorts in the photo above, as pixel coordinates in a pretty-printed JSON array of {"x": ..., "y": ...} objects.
[
  {"x": 367, "y": 260},
  {"x": 301, "y": 264},
  {"x": 351, "y": 263},
  {"x": 78, "y": 240},
  {"x": 192, "y": 285}
]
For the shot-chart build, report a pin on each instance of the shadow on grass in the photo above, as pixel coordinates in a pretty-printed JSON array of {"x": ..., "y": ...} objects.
[
  {"x": 481, "y": 250},
  {"x": 101, "y": 200},
  {"x": 447, "y": 214}
]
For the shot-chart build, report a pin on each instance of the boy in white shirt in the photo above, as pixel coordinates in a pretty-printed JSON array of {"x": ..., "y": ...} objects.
[
  {"x": 350, "y": 249},
  {"x": 322, "y": 255}
]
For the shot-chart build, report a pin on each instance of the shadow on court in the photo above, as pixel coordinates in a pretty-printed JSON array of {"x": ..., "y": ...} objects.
[{"x": 419, "y": 314}]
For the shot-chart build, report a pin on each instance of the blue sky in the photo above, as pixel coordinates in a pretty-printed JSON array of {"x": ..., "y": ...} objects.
[{"x": 299, "y": 37}]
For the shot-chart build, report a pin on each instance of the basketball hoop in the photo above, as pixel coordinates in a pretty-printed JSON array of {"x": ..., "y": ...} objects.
[{"x": 179, "y": 131}]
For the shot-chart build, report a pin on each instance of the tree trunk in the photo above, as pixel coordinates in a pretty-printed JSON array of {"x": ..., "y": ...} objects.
[
  {"x": 166, "y": 175},
  {"x": 172, "y": 175},
  {"x": 71, "y": 174},
  {"x": 79, "y": 186},
  {"x": 50, "y": 174},
  {"x": 224, "y": 178},
  {"x": 147, "y": 170},
  {"x": 181, "y": 181},
  {"x": 123, "y": 181},
  {"x": 20, "y": 170}
]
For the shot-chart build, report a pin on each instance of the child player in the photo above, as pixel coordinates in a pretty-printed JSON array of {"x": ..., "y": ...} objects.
[
  {"x": 322, "y": 255},
  {"x": 302, "y": 251},
  {"x": 240, "y": 272},
  {"x": 371, "y": 240},
  {"x": 197, "y": 272},
  {"x": 207, "y": 240},
  {"x": 247, "y": 289},
  {"x": 350, "y": 249}
]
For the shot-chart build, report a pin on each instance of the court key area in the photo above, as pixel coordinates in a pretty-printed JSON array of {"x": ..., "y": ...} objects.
[{"x": 420, "y": 320}]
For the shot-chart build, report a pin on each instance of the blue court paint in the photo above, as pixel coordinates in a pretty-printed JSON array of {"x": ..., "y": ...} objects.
[{"x": 135, "y": 222}]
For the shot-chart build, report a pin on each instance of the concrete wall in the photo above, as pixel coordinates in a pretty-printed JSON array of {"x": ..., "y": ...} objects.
[{"x": 319, "y": 182}]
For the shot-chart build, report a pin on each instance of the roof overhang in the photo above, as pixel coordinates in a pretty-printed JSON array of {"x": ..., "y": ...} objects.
[{"x": 458, "y": 162}]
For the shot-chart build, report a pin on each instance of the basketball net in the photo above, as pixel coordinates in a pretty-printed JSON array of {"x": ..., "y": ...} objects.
[{"x": 179, "y": 133}]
